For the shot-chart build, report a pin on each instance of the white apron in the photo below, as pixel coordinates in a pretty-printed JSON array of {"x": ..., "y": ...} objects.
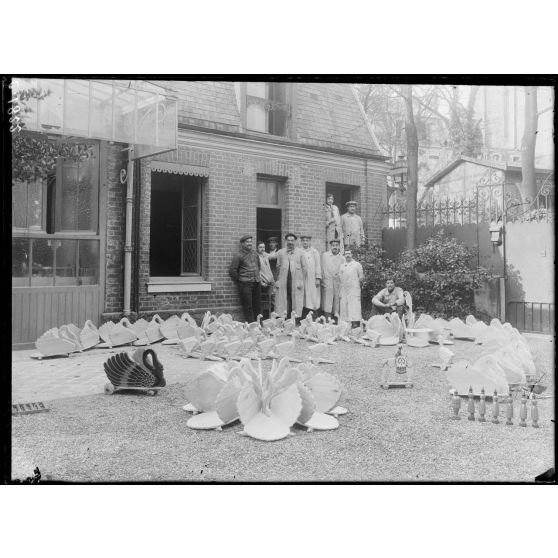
[{"x": 350, "y": 275}]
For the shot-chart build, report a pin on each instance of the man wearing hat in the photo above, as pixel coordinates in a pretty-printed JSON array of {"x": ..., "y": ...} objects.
[
  {"x": 333, "y": 222},
  {"x": 351, "y": 223},
  {"x": 289, "y": 287},
  {"x": 312, "y": 273},
  {"x": 331, "y": 262},
  {"x": 245, "y": 271}
]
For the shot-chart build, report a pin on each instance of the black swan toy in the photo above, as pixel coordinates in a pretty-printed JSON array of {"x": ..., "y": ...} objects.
[{"x": 135, "y": 373}]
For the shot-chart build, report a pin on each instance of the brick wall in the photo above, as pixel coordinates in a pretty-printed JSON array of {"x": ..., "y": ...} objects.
[
  {"x": 115, "y": 228},
  {"x": 229, "y": 211}
]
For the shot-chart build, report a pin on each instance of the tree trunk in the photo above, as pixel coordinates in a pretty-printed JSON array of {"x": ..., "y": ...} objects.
[
  {"x": 456, "y": 137},
  {"x": 412, "y": 166},
  {"x": 471, "y": 148},
  {"x": 528, "y": 143}
]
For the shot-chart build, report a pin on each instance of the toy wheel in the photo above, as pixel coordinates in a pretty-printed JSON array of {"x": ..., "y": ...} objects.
[
  {"x": 151, "y": 392},
  {"x": 109, "y": 389}
]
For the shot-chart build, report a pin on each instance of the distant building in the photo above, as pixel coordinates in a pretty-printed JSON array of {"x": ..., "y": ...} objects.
[{"x": 502, "y": 110}]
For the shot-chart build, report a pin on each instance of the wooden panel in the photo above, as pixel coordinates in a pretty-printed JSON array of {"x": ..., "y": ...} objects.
[{"x": 34, "y": 310}]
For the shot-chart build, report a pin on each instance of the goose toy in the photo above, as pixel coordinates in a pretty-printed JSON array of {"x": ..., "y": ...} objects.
[
  {"x": 446, "y": 356},
  {"x": 136, "y": 373},
  {"x": 89, "y": 335},
  {"x": 55, "y": 342}
]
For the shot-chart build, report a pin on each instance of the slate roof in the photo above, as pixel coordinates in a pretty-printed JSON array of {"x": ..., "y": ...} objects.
[{"x": 326, "y": 114}]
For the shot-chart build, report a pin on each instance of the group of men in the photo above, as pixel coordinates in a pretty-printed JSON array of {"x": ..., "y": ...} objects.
[{"x": 301, "y": 280}]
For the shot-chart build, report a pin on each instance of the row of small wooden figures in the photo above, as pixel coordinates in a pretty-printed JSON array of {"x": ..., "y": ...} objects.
[{"x": 456, "y": 405}]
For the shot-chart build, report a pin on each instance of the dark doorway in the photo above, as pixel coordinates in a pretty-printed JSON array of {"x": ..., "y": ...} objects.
[
  {"x": 342, "y": 194},
  {"x": 164, "y": 250},
  {"x": 268, "y": 223}
]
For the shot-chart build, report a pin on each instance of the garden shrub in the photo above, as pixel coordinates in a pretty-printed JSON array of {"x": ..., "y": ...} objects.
[
  {"x": 441, "y": 275},
  {"x": 377, "y": 267}
]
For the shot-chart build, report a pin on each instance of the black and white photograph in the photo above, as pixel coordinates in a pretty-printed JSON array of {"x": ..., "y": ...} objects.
[
  {"x": 282, "y": 279},
  {"x": 286, "y": 281}
]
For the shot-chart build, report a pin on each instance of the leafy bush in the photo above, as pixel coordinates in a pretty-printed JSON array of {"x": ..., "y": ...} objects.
[
  {"x": 440, "y": 274},
  {"x": 377, "y": 267}
]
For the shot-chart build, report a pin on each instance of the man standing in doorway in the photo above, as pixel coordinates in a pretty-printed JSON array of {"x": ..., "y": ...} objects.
[
  {"x": 331, "y": 262},
  {"x": 353, "y": 230},
  {"x": 289, "y": 287},
  {"x": 312, "y": 276},
  {"x": 351, "y": 277},
  {"x": 266, "y": 276},
  {"x": 245, "y": 271},
  {"x": 333, "y": 222}
]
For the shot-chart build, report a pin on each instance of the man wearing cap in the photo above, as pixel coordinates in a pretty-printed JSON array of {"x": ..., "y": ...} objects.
[
  {"x": 353, "y": 231},
  {"x": 289, "y": 287},
  {"x": 312, "y": 273},
  {"x": 333, "y": 222},
  {"x": 245, "y": 271},
  {"x": 331, "y": 262}
]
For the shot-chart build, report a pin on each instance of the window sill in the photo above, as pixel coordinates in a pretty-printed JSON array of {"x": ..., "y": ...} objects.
[{"x": 177, "y": 285}]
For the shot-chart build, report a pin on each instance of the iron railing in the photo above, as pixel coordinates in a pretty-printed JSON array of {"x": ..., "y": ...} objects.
[
  {"x": 488, "y": 204},
  {"x": 532, "y": 317}
]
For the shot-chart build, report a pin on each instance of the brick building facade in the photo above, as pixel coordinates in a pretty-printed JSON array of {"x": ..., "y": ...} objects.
[
  {"x": 210, "y": 161},
  {"x": 326, "y": 146}
]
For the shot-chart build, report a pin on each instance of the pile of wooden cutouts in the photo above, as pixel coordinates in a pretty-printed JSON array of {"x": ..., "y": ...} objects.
[{"x": 267, "y": 402}]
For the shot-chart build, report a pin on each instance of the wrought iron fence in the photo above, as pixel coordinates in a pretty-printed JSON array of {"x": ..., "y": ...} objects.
[
  {"x": 534, "y": 317},
  {"x": 488, "y": 204},
  {"x": 541, "y": 208}
]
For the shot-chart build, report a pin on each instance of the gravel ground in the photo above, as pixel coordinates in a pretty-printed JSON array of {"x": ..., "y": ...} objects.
[{"x": 388, "y": 435}]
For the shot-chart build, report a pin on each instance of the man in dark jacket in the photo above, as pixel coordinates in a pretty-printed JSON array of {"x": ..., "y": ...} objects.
[{"x": 245, "y": 270}]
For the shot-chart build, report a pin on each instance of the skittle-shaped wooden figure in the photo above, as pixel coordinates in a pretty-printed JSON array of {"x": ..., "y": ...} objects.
[
  {"x": 523, "y": 411},
  {"x": 471, "y": 404},
  {"x": 509, "y": 410},
  {"x": 455, "y": 405},
  {"x": 534, "y": 412},
  {"x": 495, "y": 408},
  {"x": 482, "y": 406}
]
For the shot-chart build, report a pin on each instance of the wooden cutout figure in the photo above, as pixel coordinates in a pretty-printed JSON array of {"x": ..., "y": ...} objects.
[{"x": 401, "y": 366}]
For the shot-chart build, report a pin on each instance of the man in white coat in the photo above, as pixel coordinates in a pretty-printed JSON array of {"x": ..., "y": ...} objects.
[
  {"x": 312, "y": 272},
  {"x": 289, "y": 285},
  {"x": 331, "y": 262},
  {"x": 350, "y": 277}
]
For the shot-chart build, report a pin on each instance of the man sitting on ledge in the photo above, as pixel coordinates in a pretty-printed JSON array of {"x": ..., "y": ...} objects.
[{"x": 390, "y": 300}]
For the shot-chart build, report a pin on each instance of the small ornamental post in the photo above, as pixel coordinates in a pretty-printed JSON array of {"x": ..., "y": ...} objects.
[
  {"x": 455, "y": 404},
  {"x": 471, "y": 404},
  {"x": 509, "y": 410},
  {"x": 495, "y": 408},
  {"x": 400, "y": 361},
  {"x": 534, "y": 412},
  {"x": 523, "y": 411},
  {"x": 482, "y": 406}
]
